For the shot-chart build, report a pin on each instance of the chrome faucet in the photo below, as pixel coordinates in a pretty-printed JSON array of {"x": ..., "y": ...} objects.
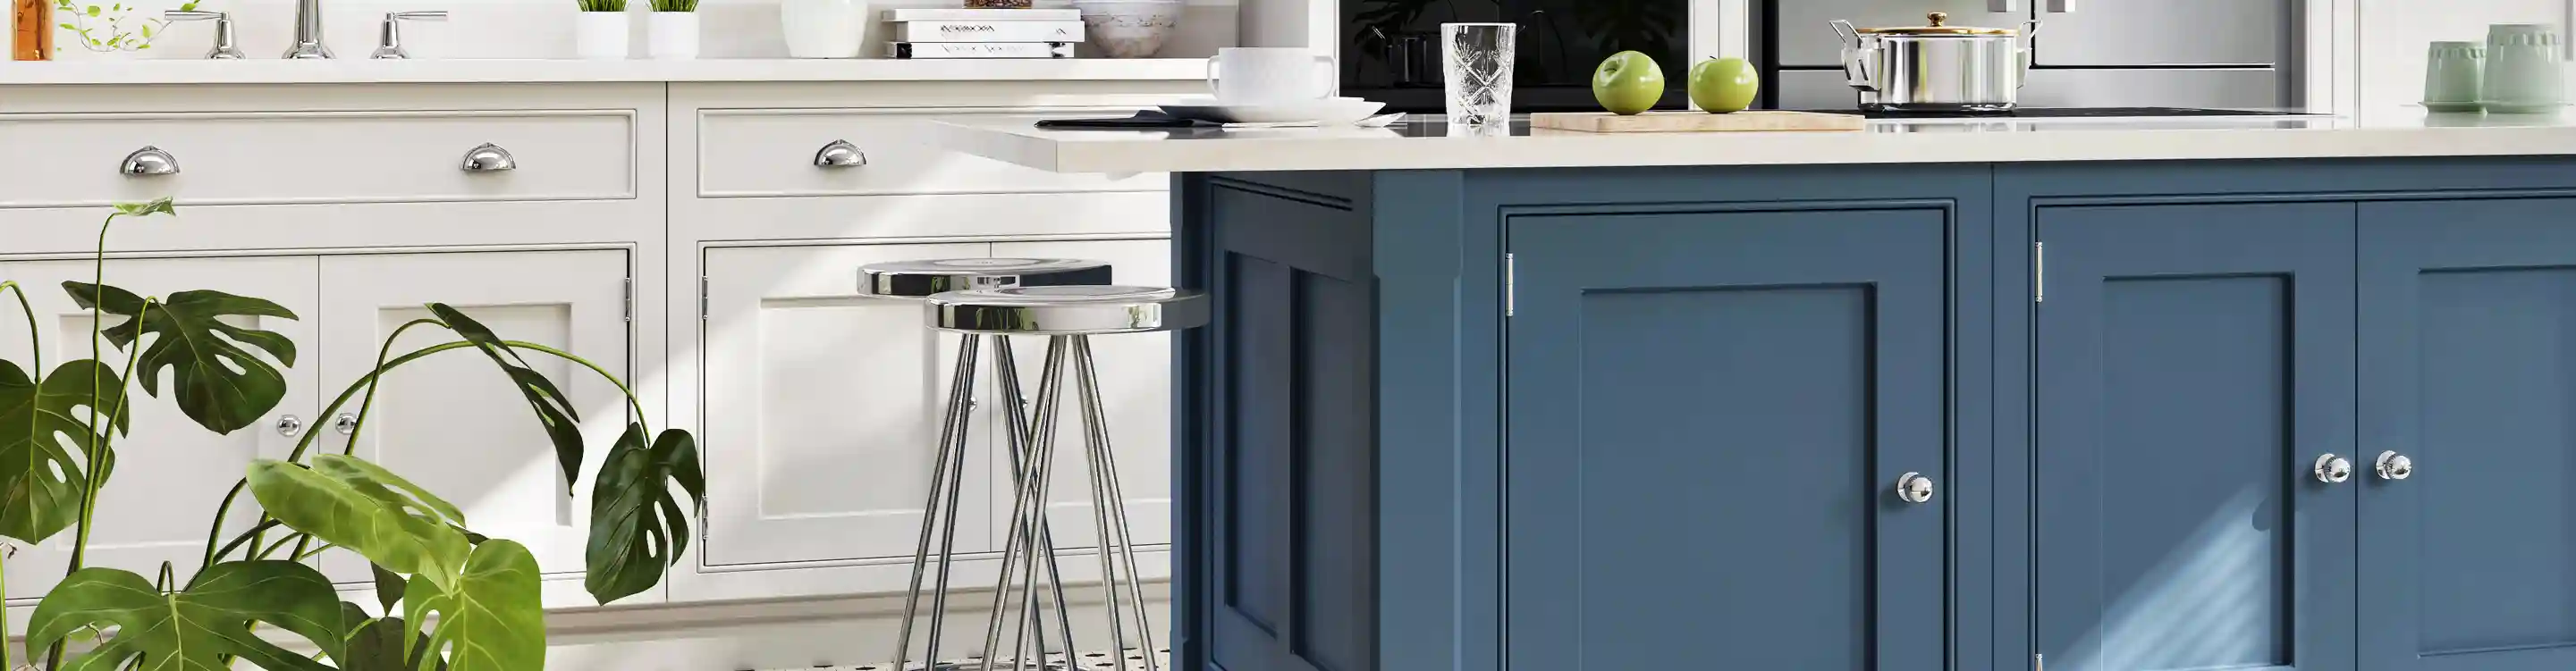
[{"x": 308, "y": 32}]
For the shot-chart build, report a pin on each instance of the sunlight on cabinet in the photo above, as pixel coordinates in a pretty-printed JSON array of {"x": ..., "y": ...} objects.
[
  {"x": 170, "y": 473},
  {"x": 1135, "y": 380},
  {"x": 452, "y": 423}
]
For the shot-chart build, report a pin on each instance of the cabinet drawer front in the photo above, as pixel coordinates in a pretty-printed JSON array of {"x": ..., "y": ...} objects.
[
  {"x": 772, "y": 153},
  {"x": 323, "y": 157}
]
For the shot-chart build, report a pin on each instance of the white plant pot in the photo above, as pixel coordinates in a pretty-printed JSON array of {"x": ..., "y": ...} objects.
[
  {"x": 824, "y": 28},
  {"x": 601, "y": 35},
  {"x": 671, "y": 35}
]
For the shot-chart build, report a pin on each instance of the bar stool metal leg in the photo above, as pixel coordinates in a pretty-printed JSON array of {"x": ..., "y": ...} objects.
[
  {"x": 939, "y": 513},
  {"x": 1006, "y": 368},
  {"x": 1030, "y": 496},
  {"x": 1109, "y": 502}
]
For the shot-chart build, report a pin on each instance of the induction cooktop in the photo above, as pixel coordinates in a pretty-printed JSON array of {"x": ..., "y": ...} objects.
[{"x": 2073, "y": 113}]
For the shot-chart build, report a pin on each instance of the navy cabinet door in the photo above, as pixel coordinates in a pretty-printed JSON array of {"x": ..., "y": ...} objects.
[
  {"x": 2468, "y": 368},
  {"x": 2192, "y": 364},
  {"x": 1708, "y": 413}
]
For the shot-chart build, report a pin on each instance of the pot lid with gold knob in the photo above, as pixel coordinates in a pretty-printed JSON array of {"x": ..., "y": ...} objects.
[{"x": 1940, "y": 26}]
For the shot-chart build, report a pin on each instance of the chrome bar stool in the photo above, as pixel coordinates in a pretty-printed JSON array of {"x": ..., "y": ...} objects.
[
  {"x": 1069, "y": 316},
  {"x": 916, "y": 280}
]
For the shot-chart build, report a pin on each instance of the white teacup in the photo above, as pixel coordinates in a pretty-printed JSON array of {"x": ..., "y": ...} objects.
[{"x": 1259, "y": 75}]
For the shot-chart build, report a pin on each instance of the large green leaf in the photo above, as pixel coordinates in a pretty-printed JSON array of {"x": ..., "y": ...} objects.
[
  {"x": 379, "y": 645},
  {"x": 491, "y": 619},
  {"x": 553, "y": 408},
  {"x": 363, "y": 509},
  {"x": 197, "y": 628},
  {"x": 219, "y": 384},
  {"x": 40, "y": 478},
  {"x": 636, "y": 528}
]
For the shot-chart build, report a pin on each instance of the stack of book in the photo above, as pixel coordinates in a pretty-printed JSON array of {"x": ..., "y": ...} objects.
[{"x": 983, "y": 33}]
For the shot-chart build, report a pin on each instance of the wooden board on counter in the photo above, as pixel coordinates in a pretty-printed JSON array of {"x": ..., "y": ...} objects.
[{"x": 1697, "y": 122}]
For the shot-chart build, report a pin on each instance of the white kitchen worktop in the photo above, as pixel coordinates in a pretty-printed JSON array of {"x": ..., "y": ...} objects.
[
  {"x": 503, "y": 71},
  {"x": 1423, "y": 144}
]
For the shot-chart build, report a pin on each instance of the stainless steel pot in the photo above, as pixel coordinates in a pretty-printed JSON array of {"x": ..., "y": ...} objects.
[{"x": 1936, "y": 68}]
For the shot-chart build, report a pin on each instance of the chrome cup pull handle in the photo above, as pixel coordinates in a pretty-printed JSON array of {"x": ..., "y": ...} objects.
[
  {"x": 489, "y": 158},
  {"x": 149, "y": 161},
  {"x": 840, "y": 154}
]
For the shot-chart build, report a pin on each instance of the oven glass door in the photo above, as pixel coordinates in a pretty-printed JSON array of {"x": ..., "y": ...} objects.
[{"x": 1391, "y": 48}]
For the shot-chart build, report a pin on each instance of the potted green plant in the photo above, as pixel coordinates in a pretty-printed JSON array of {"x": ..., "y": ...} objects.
[
  {"x": 111, "y": 29},
  {"x": 672, "y": 30},
  {"x": 447, "y": 598},
  {"x": 600, "y": 30}
]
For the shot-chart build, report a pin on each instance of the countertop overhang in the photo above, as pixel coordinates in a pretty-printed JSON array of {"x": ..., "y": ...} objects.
[
  {"x": 1421, "y": 143},
  {"x": 510, "y": 71}
]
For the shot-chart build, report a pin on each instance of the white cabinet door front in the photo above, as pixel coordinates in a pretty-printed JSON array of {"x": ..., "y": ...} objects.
[
  {"x": 1135, "y": 388},
  {"x": 170, "y": 473},
  {"x": 821, "y": 412},
  {"x": 453, "y": 422}
]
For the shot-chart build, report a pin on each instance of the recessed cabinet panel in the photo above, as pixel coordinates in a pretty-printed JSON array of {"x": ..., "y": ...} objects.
[
  {"x": 822, "y": 410},
  {"x": 1709, "y": 418},
  {"x": 170, "y": 472},
  {"x": 2193, "y": 364},
  {"x": 2468, "y": 369},
  {"x": 454, "y": 423},
  {"x": 323, "y": 157}
]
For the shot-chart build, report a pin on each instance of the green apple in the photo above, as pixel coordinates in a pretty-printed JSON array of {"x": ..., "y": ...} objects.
[
  {"x": 1628, "y": 83},
  {"x": 1722, "y": 85}
]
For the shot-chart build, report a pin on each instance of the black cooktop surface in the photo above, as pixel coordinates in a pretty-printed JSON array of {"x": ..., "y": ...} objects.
[{"x": 2073, "y": 112}]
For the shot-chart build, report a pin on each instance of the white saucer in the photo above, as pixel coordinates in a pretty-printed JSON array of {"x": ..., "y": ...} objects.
[
  {"x": 2453, "y": 106},
  {"x": 1328, "y": 111}
]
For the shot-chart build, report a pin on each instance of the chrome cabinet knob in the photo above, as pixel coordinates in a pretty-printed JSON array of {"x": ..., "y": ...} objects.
[
  {"x": 149, "y": 161},
  {"x": 1914, "y": 488},
  {"x": 2394, "y": 466},
  {"x": 345, "y": 424},
  {"x": 490, "y": 158},
  {"x": 289, "y": 426},
  {"x": 2331, "y": 469},
  {"x": 840, "y": 154}
]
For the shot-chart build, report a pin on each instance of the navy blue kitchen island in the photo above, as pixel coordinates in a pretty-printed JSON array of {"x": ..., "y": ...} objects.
[{"x": 1897, "y": 416}]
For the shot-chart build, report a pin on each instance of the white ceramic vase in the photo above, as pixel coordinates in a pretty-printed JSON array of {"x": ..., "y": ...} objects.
[
  {"x": 1129, "y": 28},
  {"x": 824, "y": 28},
  {"x": 671, "y": 35},
  {"x": 600, "y": 35}
]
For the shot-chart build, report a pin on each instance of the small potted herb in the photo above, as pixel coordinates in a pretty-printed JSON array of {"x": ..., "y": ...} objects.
[
  {"x": 672, "y": 29},
  {"x": 600, "y": 30}
]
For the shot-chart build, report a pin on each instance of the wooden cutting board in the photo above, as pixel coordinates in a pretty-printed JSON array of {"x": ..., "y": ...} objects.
[{"x": 1696, "y": 121}]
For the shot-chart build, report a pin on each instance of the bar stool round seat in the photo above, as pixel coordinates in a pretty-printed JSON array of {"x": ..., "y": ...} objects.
[
  {"x": 1068, "y": 310},
  {"x": 926, "y": 277}
]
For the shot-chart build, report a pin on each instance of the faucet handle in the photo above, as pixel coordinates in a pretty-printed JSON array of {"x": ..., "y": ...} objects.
[
  {"x": 224, "y": 49},
  {"x": 390, "y": 47}
]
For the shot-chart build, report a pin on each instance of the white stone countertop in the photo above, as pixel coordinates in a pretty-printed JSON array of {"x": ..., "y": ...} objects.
[
  {"x": 505, "y": 71},
  {"x": 1424, "y": 143}
]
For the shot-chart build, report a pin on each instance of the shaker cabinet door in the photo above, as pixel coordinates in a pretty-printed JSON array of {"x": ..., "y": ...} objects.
[
  {"x": 2193, "y": 363},
  {"x": 1709, "y": 414},
  {"x": 453, "y": 422},
  {"x": 821, "y": 414},
  {"x": 2468, "y": 370},
  {"x": 170, "y": 473}
]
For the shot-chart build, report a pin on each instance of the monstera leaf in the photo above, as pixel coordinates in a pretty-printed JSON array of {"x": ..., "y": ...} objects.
[
  {"x": 636, "y": 528},
  {"x": 554, "y": 410},
  {"x": 491, "y": 619},
  {"x": 40, "y": 479},
  {"x": 220, "y": 385},
  {"x": 360, "y": 506},
  {"x": 380, "y": 644},
  {"x": 195, "y": 629}
]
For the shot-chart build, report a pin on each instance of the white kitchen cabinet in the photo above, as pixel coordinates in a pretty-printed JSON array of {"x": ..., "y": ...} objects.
[
  {"x": 453, "y": 422},
  {"x": 170, "y": 473},
  {"x": 1135, "y": 389},
  {"x": 821, "y": 417}
]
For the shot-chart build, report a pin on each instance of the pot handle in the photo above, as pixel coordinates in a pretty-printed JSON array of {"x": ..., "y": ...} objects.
[
  {"x": 2029, "y": 50},
  {"x": 1844, "y": 29},
  {"x": 1856, "y": 58}
]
